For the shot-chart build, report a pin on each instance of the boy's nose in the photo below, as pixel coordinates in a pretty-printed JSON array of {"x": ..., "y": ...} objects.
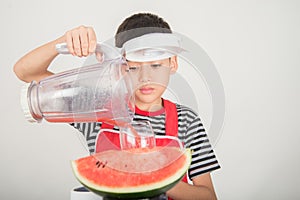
[{"x": 144, "y": 74}]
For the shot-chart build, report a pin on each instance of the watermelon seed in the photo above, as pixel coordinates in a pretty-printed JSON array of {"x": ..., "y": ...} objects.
[
  {"x": 99, "y": 163},
  {"x": 104, "y": 164}
]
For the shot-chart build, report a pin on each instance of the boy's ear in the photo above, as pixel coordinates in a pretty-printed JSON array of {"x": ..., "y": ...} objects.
[{"x": 173, "y": 64}]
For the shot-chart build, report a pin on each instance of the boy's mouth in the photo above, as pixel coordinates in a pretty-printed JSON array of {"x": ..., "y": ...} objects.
[{"x": 146, "y": 90}]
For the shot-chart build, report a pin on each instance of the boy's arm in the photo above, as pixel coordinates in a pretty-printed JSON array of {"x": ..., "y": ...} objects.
[
  {"x": 81, "y": 41},
  {"x": 201, "y": 189},
  {"x": 34, "y": 65}
]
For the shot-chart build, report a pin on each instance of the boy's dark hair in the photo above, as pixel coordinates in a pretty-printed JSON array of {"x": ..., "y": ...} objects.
[{"x": 139, "y": 24}]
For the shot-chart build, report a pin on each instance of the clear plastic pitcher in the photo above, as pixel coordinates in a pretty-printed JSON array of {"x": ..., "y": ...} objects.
[{"x": 99, "y": 92}]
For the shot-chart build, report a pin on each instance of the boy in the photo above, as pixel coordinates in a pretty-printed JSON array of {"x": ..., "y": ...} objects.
[{"x": 81, "y": 41}]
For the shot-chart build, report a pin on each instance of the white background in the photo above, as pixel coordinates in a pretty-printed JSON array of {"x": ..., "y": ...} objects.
[{"x": 255, "y": 46}]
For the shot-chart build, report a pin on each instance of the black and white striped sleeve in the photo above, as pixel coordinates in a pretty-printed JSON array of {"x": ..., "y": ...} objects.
[
  {"x": 203, "y": 157},
  {"x": 89, "y": 131},
  {"x": 193, "y": 135}
]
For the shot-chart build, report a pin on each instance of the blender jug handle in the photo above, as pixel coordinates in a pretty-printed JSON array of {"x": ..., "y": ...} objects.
[
  {"x": 103, "y": 51},
  {"x": 62, "y": 48}
]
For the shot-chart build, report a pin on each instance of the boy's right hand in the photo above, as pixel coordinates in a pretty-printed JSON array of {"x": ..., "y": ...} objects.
[{"x": 81, "y": 41}]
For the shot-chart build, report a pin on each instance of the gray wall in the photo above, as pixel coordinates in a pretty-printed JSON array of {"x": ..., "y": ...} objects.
[{"x": 255, "y": 47}]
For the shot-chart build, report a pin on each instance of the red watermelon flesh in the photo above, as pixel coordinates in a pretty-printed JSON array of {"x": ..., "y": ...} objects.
[{"x": 115, "y": 180}]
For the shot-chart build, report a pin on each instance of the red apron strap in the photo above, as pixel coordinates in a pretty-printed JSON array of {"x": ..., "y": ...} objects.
[
  {"x": 172, "y": 124},
  {"x": 106, "y": 126},
  {"x": 171, "y": 118}
]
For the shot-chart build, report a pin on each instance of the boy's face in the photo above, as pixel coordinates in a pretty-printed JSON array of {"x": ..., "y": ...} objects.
[{"x": 150, "y": 80}]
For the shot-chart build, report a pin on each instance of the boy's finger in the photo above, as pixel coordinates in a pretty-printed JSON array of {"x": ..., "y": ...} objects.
[
  {"x": 76, "y": 44},
  {"x": 99, "y": 56},
  {"x": 69, "y": 42},
  {"x": 92, "y": 40},
  {"x": 84, "y": 41}
]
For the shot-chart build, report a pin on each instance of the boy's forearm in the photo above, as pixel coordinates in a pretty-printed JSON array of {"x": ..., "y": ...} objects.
[
  {"x": 184, "y": 191},
  {"x": 34, "y": 65}
]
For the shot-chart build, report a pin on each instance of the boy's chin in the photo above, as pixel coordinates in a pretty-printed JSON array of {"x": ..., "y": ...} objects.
[{"x": 151, "y": 103}]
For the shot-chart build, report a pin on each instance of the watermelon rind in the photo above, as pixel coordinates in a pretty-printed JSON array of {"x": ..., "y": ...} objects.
[
  {"x": 134, "y": 195},
  {"x": 138, "y": 192}
]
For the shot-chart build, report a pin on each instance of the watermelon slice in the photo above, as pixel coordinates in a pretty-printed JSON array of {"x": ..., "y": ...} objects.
[{"x": 115, "y": 177}]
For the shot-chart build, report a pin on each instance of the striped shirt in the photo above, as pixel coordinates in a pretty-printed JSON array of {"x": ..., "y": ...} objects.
[{"x": 190, "y": 131}]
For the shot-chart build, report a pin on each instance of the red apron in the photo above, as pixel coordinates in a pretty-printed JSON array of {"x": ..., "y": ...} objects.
[{"x": 171, "y": 129}]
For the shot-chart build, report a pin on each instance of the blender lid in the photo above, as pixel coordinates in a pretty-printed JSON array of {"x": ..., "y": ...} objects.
[{"x": 24, "y": 103}]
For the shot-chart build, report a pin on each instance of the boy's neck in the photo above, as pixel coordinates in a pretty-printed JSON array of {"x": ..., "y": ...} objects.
[{"x": 153, "y": 107}]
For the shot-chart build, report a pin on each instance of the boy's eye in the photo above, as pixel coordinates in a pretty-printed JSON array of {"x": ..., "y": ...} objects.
[
  {"x": 155, "y": 65},
  {"x": 136, "y": 68},
  {"x": 133, "y": 68}
]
